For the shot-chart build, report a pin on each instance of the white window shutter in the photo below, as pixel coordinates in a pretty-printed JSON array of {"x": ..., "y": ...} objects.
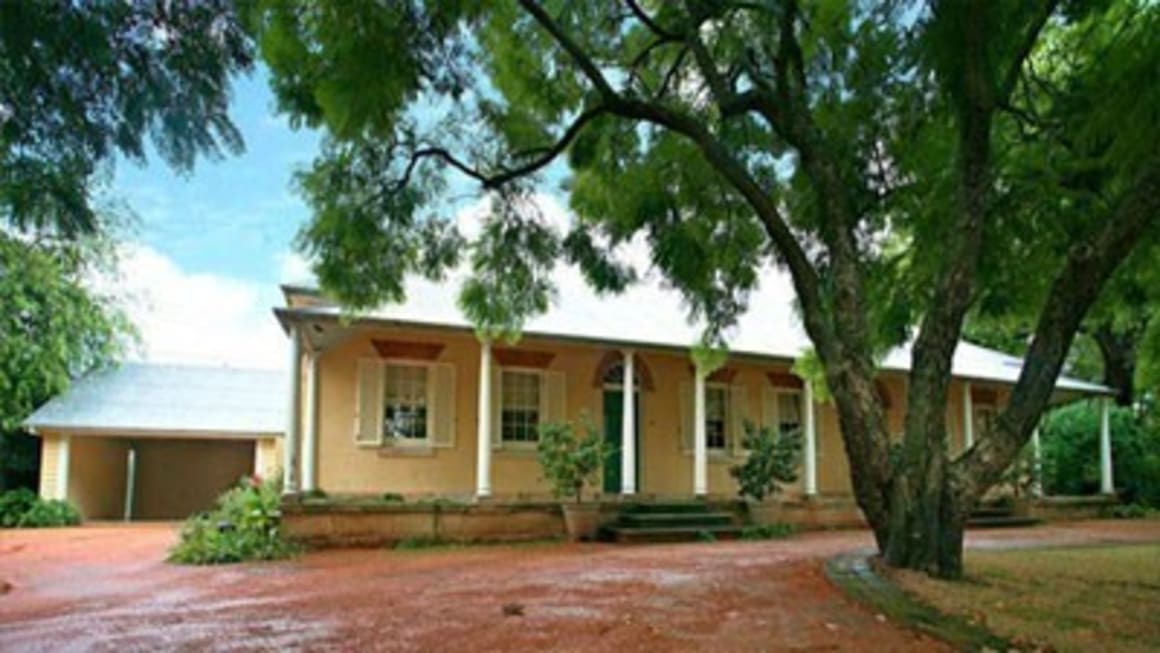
[
  {"x": 687, "y": 427},
  {"x": 553, "y": 399},
  {"x": 739, "y": 413},
  {"x": 441, "y": 404},
  {"x": 769, "y": 408},
  {"x": 368, "y": 420},
  {"x": 496, "y": 406}
]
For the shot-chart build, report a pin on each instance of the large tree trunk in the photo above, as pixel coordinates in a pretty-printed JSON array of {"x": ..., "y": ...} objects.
[{"x": 1118, "y": 350}]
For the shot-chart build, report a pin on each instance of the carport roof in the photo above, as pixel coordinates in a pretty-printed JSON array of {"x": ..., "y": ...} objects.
[{"x": 146, "y": 398}]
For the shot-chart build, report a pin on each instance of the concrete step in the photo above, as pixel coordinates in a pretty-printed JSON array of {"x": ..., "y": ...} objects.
[
  {"x": 1009, "y": 521},
  {"x": 991, "y": 511},
  {"x": 675, "y": 519},
  {"x": 638, "y": 535},
  {"x": 671, "y": 507}
]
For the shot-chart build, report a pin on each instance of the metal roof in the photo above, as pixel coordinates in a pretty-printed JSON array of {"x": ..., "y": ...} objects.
[
  {"x": 649, "y": 314},
  {"x": 148, "y": 398}
]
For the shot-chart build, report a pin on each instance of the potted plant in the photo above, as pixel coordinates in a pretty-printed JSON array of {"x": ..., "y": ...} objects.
[
  {"x": 772, "y": 460},
  {"x": 570, "y": 462}
]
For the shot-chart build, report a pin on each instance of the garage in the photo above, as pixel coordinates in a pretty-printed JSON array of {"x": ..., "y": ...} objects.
[{"x": 158, "y": 442}]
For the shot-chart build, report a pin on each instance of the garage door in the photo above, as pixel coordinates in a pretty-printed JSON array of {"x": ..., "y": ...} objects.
[{"x": 176, "y": 478}]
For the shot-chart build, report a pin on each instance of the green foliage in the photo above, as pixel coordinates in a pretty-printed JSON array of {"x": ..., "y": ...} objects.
[
  {"x": 570, "y": 461},
  {"x": 55, "y": 327},
  {"x": 19, "y": 460},
  {"x": 706, "y": 536},
  {"x": 767, "y": 532},
  {"x": 245, "y": 525},
  {"x": 1130, "y": 511},
  {"x": 1071, "y": 459},
  {"x": 392, "y": 497},
  {"x": 22, "y": 508},
  {"x": 50, "y": 513},
  {"x": 13, "y": 505},
  {"x": 85, "y": 82},
  {"x": 809, "y": 367},
  {"x": 772, "y": 460}
]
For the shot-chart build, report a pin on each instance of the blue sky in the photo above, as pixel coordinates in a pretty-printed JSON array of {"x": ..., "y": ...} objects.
[
  {"x": 231, "y": 217},
  {"x": 200, "y": 267}
]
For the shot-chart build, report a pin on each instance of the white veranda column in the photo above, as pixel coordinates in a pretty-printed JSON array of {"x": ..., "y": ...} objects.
[
  {"x": 1036, "y": 465},
  {"x": 968, "y": 418},
  {"x": 130, "y": 480},
  {"x": 310, "y": 428},
  {"x": 811, "y": 443},
  {"x": 1107, "y": 484},
  {"x": 62, "y": 468},
  {"x": 483, "y": 432},
  {"x": 700, "y": 450},
  {"x": 290, "y": 447},
  {"x": 628, "y": 427}
]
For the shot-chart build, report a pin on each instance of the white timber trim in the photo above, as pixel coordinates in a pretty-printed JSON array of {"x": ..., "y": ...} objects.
[
  {"x": 810, "y": 483},
  {"x": 290, "y": 448},
  {"x": 62, "y": 467},
  {"x": 483, "y": 423},
  {"x": 968, "y": 418},
  {"x": 700, "y": 451},
  {"x": 628, "y": 427},
  {"x": 1107, "y": 483}
]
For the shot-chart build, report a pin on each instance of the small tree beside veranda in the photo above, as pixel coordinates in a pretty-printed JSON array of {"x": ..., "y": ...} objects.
[
  {"x": 571, "y": 462},
  {"x": 898, "y": 159},
  {"x": 771, "y": 460}
]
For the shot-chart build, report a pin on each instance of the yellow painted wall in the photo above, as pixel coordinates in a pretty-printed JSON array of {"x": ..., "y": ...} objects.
[
  {"x": 49, "y": 452},
  {"x": 665, "y": 468},
  {"x": 97, "y": 473},
  {"x": 268, "y": 457}
]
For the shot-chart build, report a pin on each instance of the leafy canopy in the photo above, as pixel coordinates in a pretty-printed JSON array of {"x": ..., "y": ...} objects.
[{"x": 83, "y": 82}]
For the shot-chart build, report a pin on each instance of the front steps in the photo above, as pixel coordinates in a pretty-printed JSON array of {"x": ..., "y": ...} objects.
[
  {"x": 670, "y": 522},
  {"x": 996, "y": 516}
]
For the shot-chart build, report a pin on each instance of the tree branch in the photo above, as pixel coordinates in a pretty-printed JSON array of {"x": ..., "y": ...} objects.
[
  {"x": 653, "y": 26},
  {"x": 1030, "y": 37},
  {"x": 1074, "y": 290}
]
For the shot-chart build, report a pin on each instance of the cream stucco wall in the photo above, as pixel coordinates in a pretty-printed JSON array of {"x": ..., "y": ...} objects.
[
  {"x": 665, "y": 467},
  {"x": 97, "y": 476}
]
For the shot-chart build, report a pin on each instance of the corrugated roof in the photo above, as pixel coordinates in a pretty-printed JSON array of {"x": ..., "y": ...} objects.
[
  {"x": 147, "y": 397},
  {"x": 650, "y": 314}
]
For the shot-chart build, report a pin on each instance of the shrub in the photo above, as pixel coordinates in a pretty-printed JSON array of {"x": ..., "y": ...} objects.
[
  {"x": 50, "y": 514},
  {"x": 1129, "y": 511},
  {"x": 570, "y": 462},
  {"x": 706, "y": 536},
  {"x": 772, "y": 460},
  {"x": 392, "y": 497},
  {"x": 767, "y": 532},
  {"x": 245, "y": 525},
  {"x": 13, "y": 505},
  {"x": 1071, "y": 452},
  {"x": 22, "y": 508}
]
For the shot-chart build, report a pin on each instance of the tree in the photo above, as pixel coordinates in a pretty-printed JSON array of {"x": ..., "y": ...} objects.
[
  {"x": 54, "y": 328},
  {"x": 879, "y": 152},
  {"x": 82, "y": 82}
]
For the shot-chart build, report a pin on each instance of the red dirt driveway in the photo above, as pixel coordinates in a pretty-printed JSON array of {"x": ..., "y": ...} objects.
[{"x": 106, "y": 588}]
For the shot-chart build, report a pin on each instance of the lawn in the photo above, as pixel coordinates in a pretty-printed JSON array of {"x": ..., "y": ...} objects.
[{"x": 1070, "y": 599}]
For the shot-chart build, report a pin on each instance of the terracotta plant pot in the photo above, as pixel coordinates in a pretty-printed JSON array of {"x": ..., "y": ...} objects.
[
  {"x": 581, "y": 520},
  {"x": 764, "y": 513}
]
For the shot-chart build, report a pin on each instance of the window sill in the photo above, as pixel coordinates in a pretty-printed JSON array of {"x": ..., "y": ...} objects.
[
  {"x": 516, "y": 450},
  {"x": 406, "y": 451}
]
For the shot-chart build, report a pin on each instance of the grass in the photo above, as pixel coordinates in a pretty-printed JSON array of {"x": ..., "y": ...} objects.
[{"x": 1073, "y": 599}]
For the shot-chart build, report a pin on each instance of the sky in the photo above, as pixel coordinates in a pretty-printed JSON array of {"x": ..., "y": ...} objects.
[
  {"x": 200, "y": 269},
  {"x": 201, "y": 264}
]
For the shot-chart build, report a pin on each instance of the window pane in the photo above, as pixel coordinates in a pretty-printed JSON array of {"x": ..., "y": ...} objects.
[
  {"x": 716, "y": 423},
  {"x": 520, "y": 406},
  {"x": 405, "y": 402},
  {"x": 789, "y": 412}
]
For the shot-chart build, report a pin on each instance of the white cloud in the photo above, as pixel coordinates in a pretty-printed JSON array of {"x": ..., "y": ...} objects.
[
  {"x": 293, "y": 268},
  {"x": 199, "y": 318}
]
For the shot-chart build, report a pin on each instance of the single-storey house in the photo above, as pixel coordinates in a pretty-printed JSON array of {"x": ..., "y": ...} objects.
[
  {"x": 408, "y": 400},
  {"x": 152, "y": 441}
]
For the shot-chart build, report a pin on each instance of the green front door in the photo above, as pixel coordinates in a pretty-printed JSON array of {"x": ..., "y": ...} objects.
[{"x": 613, "y": 418}]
